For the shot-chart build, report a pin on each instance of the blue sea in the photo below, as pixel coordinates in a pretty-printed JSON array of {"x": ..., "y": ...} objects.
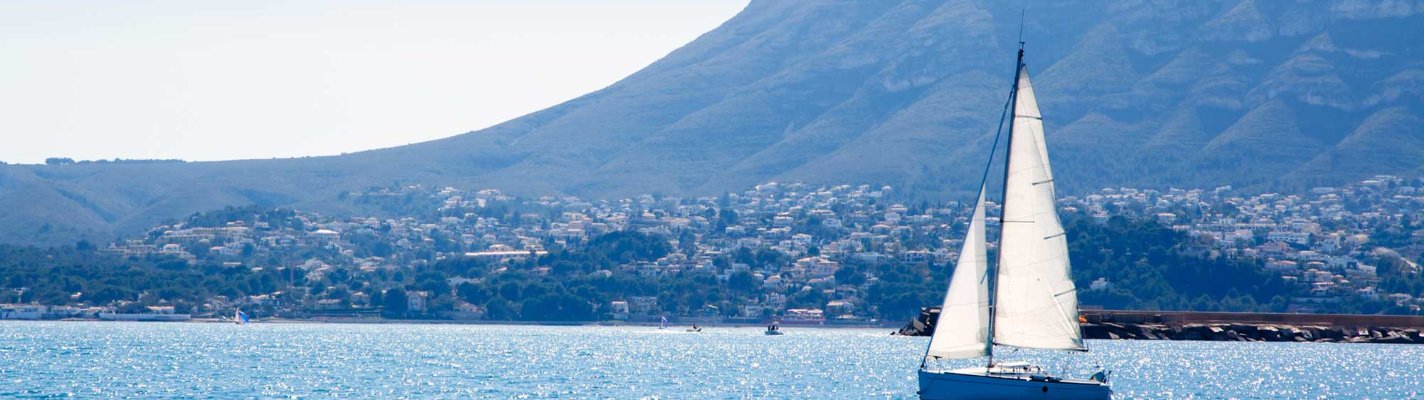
[{"x": 300, "y": 360}]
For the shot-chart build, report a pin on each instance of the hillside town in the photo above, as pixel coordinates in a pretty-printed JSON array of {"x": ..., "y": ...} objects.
[
  {"x": 1330, "y": 241},
  {"x": 799, "y": 251}
]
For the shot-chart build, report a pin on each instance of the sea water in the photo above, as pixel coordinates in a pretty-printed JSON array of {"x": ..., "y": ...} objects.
[{"x": 300, "y": 360}]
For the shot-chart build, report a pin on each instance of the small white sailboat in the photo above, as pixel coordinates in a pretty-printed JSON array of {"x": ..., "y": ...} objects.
[
  {"x": 664, "y": 324},
  {"x": 239, "y": 317},
  {"x": 1028, "y": 300}
]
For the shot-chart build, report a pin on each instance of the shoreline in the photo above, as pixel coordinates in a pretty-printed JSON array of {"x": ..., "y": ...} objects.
[
  {"x": 381, "y": 321},
  {"x": 1103, "y": 330}
]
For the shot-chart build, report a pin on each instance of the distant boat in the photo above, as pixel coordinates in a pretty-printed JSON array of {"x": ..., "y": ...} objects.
[
  {"x": 664, "y": 325},
  {"x": 694, "y": 328},
  {"x": 773, "y": 329},
  {"x": 1029, "y": 300},
  {"x": 240, "y": 317}
]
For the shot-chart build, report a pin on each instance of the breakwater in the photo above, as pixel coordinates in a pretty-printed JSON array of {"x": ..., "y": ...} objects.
[{"x": 1237, "y": 327}]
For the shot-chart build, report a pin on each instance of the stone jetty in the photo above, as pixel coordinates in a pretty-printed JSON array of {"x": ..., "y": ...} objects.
[{"x": 1172, "y": 326}]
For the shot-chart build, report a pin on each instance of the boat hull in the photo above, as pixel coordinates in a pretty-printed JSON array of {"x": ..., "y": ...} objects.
[{"x": 975, "y": 384}]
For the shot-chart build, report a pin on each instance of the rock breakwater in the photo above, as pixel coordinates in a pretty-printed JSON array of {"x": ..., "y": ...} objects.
[
  {"x": 1237, "y": 332},
  {"x": 923, "y": 325}
]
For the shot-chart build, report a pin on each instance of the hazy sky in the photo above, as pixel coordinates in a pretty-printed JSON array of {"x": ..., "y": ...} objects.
[{"x": 209, "y": 80}]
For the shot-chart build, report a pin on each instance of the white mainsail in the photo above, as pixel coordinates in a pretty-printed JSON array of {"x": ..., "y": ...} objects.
[
  {"x": 1036, "y": 305},
  {"x": 962, "y": 330}
]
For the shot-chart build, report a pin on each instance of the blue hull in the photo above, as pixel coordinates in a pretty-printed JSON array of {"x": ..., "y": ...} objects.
[{"x": 972, "y": 384}]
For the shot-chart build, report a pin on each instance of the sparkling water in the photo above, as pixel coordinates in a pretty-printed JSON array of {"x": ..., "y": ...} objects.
[{"x": 265, "y": 360}]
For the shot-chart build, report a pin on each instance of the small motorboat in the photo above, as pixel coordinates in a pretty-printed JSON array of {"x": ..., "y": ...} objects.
[
  {"x": 773, "y": 330},
  {"x": 695, "y": 329}
]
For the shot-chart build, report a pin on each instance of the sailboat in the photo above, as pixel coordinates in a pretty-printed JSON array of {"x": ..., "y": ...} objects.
[
  {"x": 239, "y": 317},
  {"x": 1028, "y": 300}
]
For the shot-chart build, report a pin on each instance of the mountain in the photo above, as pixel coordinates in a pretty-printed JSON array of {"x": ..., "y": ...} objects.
[{"x": 1272, "y": 95}]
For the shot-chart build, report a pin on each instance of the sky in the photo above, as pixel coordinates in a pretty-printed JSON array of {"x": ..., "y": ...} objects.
[{"x": 208, "y": 80}]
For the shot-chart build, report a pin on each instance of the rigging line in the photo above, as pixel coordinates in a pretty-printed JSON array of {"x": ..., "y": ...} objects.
[{"x": 989, "y": 165}]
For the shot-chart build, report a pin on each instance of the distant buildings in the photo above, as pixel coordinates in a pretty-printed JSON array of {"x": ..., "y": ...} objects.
[
  {"x": 1321, "y": 240},
  {"x": 791, "y": 238}
]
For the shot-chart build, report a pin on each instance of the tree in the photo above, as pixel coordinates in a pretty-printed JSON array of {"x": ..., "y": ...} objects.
[
  {"x": 395, "y": 302},
  {"x": 377, "y": 299},
  {"x": 473, "y": 294},
  {"x": 727, "y": 217},
  {"x": 557, "y": 307},
  {"x": 742, "y": 281},
  {"x": 500, "y": 309},
  {"x": 510, "y": 291},
  {"x": 849, "y": 276}
]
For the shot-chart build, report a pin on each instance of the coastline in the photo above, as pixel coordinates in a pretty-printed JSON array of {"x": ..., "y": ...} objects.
[
  {"x": 1119, "y": 330},
  {"x": 380, "y": 321},
  {"x": 1096, "y": 324}
]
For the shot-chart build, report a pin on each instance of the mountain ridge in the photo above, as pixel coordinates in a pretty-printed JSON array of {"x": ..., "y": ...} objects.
[{"x": 1141, "y": 93}]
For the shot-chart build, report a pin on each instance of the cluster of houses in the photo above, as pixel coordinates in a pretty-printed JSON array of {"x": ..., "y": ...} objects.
[
  {"x": 1325, "y": 239},
  {"x": 813, "y": 229},
  {"x": 1329, "y": 240}
]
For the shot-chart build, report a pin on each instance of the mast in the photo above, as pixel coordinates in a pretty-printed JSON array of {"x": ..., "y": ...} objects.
[{"x": 994, "y": 283}]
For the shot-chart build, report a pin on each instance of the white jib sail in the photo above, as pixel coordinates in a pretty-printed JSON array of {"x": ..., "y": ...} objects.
[
  {"x": 962, "y": 328},
  {"x": 1036, "y": 305}
]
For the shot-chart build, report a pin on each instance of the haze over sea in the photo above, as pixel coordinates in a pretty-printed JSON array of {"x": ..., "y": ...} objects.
[{"x": 151, "y": 360}]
